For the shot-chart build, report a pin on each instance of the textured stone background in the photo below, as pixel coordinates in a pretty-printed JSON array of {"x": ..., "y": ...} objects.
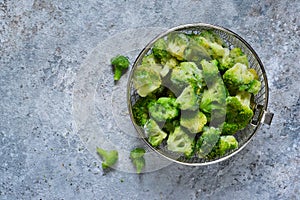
[{"x": 44, "y": 43}]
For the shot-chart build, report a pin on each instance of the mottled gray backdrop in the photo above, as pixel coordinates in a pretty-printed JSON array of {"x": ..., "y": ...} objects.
[{"x": 43, "y": 45}]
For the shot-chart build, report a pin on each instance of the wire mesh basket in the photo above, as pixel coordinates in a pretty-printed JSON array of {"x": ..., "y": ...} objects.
[{"x": 261, "y": 114}]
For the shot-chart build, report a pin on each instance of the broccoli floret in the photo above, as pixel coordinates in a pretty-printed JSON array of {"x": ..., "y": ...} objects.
[
  {"x": 238, "y": 112},
  {"x": 146, "y": 79},
  {"x": 159, "y": 49},
  {"x": 225, "y": 145},
  {"x": 168, "y": 64},
  {"x": 140, "y": 109},
  {"x": 179, "y": 141},
  {"x": 210, "y": 72},
  {"x": 212, "y": 37},
  {"x": 232, "y": 57},
  {"x": 163, "y": 109},
  {"x": 149, "y": 60},
  {"x": 154, "y": 133},
  {"x": 170, "y": 125},
  {"x": 195, "y": 52},
  {"x": 109, "y": 157},
  {"x": 176, "y": 44},
  {"x": 188, "y": 99},
  {"x": 207, "y": 141},
  {"x": 240, "y": 78},
  {"x": 185, "y": 74},
  {"x": 137, "y": 158},
  {"x": 194, "y": 121},
  {"x": 120, "y": 63}
]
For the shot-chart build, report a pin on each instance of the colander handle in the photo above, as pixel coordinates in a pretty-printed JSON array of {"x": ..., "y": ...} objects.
[{"x": 261, "y": 115}]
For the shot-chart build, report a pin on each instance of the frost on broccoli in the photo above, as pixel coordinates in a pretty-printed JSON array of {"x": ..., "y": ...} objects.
[
  {"x": 109, "y": 157},
  {"x": 176, "y": 44},
  {"x": 120, "y": 63},
  {"x": 146, "y": 79},
  {"x": 137, "y": 158},
  {"x": 163, "y": 109},
  {"x": 188, "y": 99},
  {"x": 194, "y": 121},
  {"x": 241, "y": 78},
  {"x": 186, "y": 73},
  {"x": 207, "y": 141},
  {"x": 154, "y": 133},
  {"x": 238, "y": 113},
  {"x": 179, "y": 141}
]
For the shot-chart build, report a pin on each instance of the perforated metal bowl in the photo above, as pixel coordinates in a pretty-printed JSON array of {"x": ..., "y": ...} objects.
[{"x": 261, "y": 114}]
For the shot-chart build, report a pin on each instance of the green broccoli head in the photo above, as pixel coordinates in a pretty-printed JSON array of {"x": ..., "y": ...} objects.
[
  {"x": 207, "y": 141},
  {"x": 140, "y": 109},
  {"x": 109, "y": 157},
  {"x": 120, "y": 63},
  {"x": 210, "y": 72},
  {"x": 240, "y": 78},
  {"x": 176, "y": 44},
  {"x": 179, "y": 141},
  {"x": 154, "y": 133},
  {"x": 194, "y": 121},
  {"x": 238, "y": 112},
  {"x": 137, "y": 158},
  {"x": 186, "y": 73},
  {"x": 149, "y": 60},
  {"x": 232, "y": 57},
  {"x": 188, "y": 99},
  {"x": 213, "y": 37},
  {"x": 163, "y": 109},
  {"x": 159, "y": 49},
  {"x": 225, "y": 145},
  {"x": 146, "y": 79}
]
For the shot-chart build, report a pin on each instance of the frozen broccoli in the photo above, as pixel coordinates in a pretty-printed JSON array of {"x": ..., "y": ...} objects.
[
  {"x": 186, "y": 73},
  {"x": 170, "y": 125},
  {"x": 212, "y": 37},
  {"x": 149, "y": 60},
  {"x": 109, "y": 157},
  {"x": 194, "y": 121},
  {"x": 137, "y": 158},
  {"x": 207, "y": 141},
  {"x": 146, "y": 79},
  {"x": 240, "y": 78},
  {"x": 238, "y": 113},
  {"x": 188, "y": 99},
  {"x": 210, "y": 72},
  {"x": 168, "y": 64},
  {"x": 179, "y": 141},
  {"x": 225, "y": 144},
  {"x": 120, "y": 63},
  {"x": 154, "y": 133},
  {"x": 163, "y": 109},
  {"x": 140, "y": 109},
  {"x": 176, "y": 44},
  {"x": 159, "y": 49},
  {"x": 232, "y": 57}
]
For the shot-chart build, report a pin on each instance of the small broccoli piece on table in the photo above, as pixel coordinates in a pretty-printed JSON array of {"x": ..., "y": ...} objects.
[
  {"x": 238, "y": 113},
  {"x": 120, "y": 63},
  {"x": 241, "y": 78},
  {"x": 179, "y": 141},
  {"x": 194, "y": 121},
  {"x": 163, "y": 109},
  {"x": 225, "y": 145},
  {"x": 109, "y": 157},
  {"x": 154, "y": 133},
  {"x": 232, "y": 57},
  {"x": 137, "y": 158},
  {"x": 207, "y": 141},
  {"x": 146, "y": 79},
  {"x": 140, "y": 109},
  {"x": 176, "y": 44},
  {"x": 186, "y": 73},
  {"x": 188, "y": 99}
]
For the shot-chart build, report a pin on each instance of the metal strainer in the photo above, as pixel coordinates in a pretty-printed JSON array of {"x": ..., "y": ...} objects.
[{"x": 261, "y": 114}]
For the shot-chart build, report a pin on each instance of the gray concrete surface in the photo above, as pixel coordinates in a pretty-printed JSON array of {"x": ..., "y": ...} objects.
[{"x": 44, "y": 46}]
